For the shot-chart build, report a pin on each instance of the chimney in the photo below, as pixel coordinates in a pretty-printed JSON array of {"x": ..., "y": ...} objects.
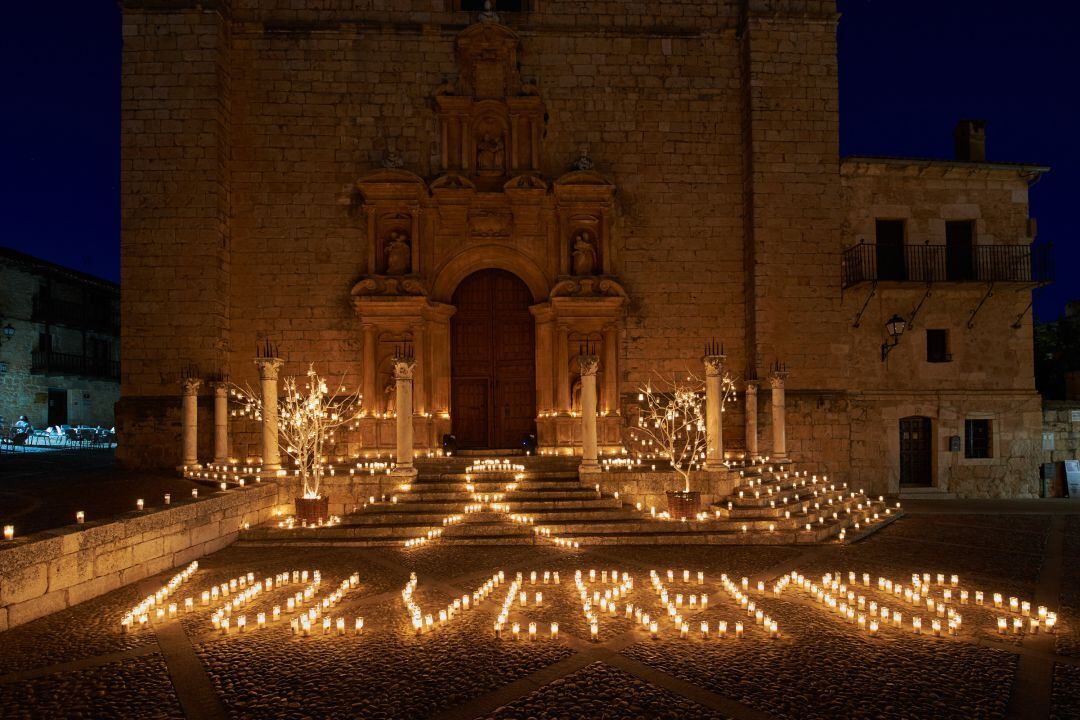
[{"x": 970, "y": 138}]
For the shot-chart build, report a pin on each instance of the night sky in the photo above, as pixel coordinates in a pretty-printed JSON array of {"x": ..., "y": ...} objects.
[{"x": 908, "y": 70}]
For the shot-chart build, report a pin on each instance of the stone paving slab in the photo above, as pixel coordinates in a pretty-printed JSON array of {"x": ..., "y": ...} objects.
[
  {"x": 130, "y": 688},
  {"x": 601, "y": 691},
  {"x": 79, "y": 661}
]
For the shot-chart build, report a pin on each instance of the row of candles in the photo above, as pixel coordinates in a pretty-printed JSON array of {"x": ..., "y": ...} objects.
[
  {"x": 141, "y": 612},
  {"x": 425, "y": 623},
  {"x": 489, "y": 465},
  {"x": 244, "y": 589},
  {"x": 290, "y": 523},
  {"x": 305, "y": 621}
]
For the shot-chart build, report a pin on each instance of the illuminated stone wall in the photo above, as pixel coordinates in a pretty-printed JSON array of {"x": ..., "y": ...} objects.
[{"x": 247, "y": 128}]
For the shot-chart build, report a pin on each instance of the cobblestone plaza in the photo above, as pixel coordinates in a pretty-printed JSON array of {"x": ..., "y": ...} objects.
[{"x": 81, "y": 663}]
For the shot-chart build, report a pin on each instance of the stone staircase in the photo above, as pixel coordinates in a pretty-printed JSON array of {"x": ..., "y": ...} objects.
[{"x": 547, "y": 503}]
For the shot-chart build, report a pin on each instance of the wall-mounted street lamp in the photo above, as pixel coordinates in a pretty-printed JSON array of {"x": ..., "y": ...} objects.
[
  {"x": 895, "y": 327},
  {"x": 6, "y": 333}
]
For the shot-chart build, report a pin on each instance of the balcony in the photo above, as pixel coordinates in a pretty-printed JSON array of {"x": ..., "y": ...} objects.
[
  {"x": 94, "y": 314},
  {"x": 54, "y": 363},
  {"x": 1020, "y": 264}
]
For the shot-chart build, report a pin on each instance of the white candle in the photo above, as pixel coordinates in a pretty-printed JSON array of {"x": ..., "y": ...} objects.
[
  {"x": 554, "y": 631},
  {"x": 80, "y": 517},
  {"x": 1002, "y": 625},
  {"x": 738, "y": 630},
  {"x": 532, "y": 631},
  {"x": 139, "y": 504},
  {"x": 594, "y": 631},
  {"x": 653, "y": 629},
  {"x": 168, "y": 498}
]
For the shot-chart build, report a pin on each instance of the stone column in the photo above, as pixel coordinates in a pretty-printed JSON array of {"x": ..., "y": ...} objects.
[
  {"x": 269, "y": 367},
  {"x": 714, "y": 406},
  {"x": 588, "y": 365},
  {"x": 779, "y": 448},
  {"x": 404, "y": 367},
  {"x": 221, "y": 421},
  {"x": 189, "y": 422},
  {"x": 751, "y": 418}
]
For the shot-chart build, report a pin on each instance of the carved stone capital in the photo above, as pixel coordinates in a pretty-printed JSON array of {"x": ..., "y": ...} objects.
[
  {"x": 220, "y": 387},
  {"x": 384, "y": 285},
  {"x": 777, "y": 379},
  {"x": 751, "y": 386},
  {"x": 403, "y": 369},
  {"x": 190, "y": 386},
  {"x": 714, "y": 365},
  {"x": 588, "y": 364},
  {"x": 269, "y": 367}
]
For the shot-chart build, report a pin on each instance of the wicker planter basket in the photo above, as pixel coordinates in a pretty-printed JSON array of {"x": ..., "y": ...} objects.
[
  {"x": 312, "y": 510},
  {"x": 683, "y": 504}
]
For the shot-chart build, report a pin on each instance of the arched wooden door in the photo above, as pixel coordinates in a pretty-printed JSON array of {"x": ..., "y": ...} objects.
[{"x": 492, "y": 361}]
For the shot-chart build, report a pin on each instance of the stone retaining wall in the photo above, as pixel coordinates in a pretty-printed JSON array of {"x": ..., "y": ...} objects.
[{"x": 52, "y": 570}]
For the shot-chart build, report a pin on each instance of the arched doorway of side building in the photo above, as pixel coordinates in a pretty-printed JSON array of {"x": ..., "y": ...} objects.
[{"x": 492, "y": 361}]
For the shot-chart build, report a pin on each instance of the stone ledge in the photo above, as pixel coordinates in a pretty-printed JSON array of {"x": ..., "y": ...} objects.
[{"x": 52, "y": 570}]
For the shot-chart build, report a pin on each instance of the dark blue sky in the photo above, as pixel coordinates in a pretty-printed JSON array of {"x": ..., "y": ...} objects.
[{"x": 908, "y": 70}]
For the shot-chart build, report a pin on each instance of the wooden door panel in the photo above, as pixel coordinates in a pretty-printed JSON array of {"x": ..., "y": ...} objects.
[
  {"x": 492, "y": 342},
  {"x": 472, "y": 419},
  {"x": 916, "y": 451}
]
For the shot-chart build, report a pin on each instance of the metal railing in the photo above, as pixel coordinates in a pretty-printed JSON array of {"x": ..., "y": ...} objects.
[
  {"x": 866, "y": 262},
  {"x": 47, "y": 361}
]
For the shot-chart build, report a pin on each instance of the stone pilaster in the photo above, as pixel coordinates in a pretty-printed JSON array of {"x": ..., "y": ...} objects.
[
  {"x": 404, "y": 368},
  {"x": 779, "y": 448},
  {"x": 751, "y": 418},
  {"x": 221, "y": 421},
  {"x": 588, "y": 365},
  {"x": 269, "y": 367},
  {"x": 189, "y": 422},
  {"x": 714, "y": 408}
]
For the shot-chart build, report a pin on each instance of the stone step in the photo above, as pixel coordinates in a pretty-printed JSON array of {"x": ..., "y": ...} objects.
[
  {"x": 529, "y": 495},
  {"x": 496, "y": 477}
]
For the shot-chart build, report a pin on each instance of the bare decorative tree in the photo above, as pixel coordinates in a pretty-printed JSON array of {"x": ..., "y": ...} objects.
[
  {"x": 671, "y": 422},
  {"x": 309, "y": 419}
]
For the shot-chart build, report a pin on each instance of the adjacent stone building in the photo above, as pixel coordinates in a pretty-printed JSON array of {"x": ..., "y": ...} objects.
[
  {"x": 498, "y": 188},
  {"x": 60, "y": 344}
]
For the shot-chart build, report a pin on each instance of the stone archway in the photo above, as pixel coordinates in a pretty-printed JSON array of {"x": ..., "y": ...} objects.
[{"x": 492, "y": 361}]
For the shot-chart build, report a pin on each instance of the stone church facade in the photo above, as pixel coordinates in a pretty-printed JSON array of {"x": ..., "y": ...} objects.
[{"x": 499, "y": 189}]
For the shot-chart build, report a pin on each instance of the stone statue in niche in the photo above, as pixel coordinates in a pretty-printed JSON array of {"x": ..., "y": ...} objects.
[
  {"x": 398, "y": 254},
  {"x": 575, "y": 396},
  {"x": 390, "y": 396},
  {"x": 584, "y": 254},
  {"x": 490, "y": 152}
]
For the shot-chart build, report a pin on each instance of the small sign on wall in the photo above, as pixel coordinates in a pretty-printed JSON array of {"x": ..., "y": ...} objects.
[
  {"x": 1048, "y": 441},
  {"x": 1074, "y": 415},
  {"x": 1072, "y": 477},
  {"x": 954, "y": 443}
]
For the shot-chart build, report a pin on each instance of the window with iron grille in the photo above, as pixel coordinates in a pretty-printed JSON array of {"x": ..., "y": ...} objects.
[{"x": 979, "y": 439}]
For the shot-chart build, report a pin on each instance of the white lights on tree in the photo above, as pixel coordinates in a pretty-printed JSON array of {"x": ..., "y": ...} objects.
[
  {"x": 671, "y": 423},
  {"x": 310, "y": 417}
]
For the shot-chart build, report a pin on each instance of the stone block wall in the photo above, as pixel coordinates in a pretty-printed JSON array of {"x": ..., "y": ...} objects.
[
  {"x": 650, "y": 488},
  {"x": 52, "y": 570},
  {"x": 1058, "y": 418}
]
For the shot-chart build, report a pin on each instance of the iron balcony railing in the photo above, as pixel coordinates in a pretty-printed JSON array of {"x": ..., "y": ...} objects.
[
  {"x": 868, "y": 262},
  {"x": 96, "y": 314},
  {"x": 47, "y": 361}
]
